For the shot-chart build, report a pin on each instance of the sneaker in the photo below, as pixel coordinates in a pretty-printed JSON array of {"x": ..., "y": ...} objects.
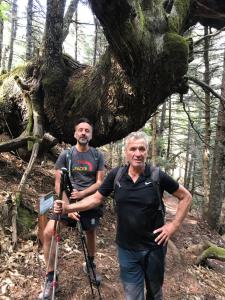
[
  {"x": 48, "y": 290},
  {"x": 95, "y": 279}
]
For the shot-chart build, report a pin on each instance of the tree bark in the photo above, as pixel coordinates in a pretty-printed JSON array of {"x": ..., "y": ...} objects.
[
  {"x": 72, "y": 8},
  {"x": 29, "y": 48},
  {"x": 154, "y": 139},
  {"x": 13, "y": 33},
  {"x": 207, "y": 133},
  {"x": 217, "y": 187},
  {"x": 1, "y": 37},
  {"x": 95, "y": 41},
  {"x": 145, "y": 63}
]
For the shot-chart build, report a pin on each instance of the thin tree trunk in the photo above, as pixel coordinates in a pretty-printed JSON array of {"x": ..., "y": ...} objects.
[
  {"x": 76, "y": 33},
  {"x": 95, "y": 41},
  {"x": 169, "y": 131},
  {"x": 154, "y": 139},
  {"x": 162, "y": 120},
  {"x": 53, "y": 39},
  {"x": 217, "y": 188},
  {"x": 29, "y": 50},
  {"x": 110, "y": 155},
  {"x": 13, "y": 33},
  {"x": 1, "y": 36},
  {"x": 206, "y": 150},
  {"x": 72, "y": 8},
  {"x": 4, "y": 58},
  {"x": 187, "y": 162}
]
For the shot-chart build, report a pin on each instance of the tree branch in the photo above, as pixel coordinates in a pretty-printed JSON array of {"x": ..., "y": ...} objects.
[
  {"x": 191, "y": 122},
  {"x": 196, "y": 43},
  {"x": 68, "y": 17},
  {"x": 15, "y": 143},
  {"x": 206, "y": 87}
]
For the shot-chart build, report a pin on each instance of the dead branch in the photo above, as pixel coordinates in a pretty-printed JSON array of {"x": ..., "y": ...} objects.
[
  {"x": 29, "y": 167},
  {"x": 206, "y": 87},
  {"x": 14, "y": 223},
  {"x": 15, "y": 143}
]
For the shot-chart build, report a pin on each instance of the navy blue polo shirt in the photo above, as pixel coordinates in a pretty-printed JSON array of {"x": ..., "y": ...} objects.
[{"x": 137, "y": 207}]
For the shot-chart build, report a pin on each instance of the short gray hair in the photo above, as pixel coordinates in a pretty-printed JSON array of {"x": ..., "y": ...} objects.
[{"x": 137, "y": 135}]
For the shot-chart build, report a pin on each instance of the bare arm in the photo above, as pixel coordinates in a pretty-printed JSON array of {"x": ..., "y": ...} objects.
[
  {"x": 82, "y": 205},
  {"x": 166, "y": 231}
]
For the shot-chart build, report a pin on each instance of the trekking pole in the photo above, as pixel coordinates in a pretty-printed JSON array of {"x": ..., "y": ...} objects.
[
  {"x": 49, "y": 257},
  {"x": 89, "y": 265},
  {"x": 69, "y": 188},
  {"x": 82, "y": 238},
  {"x": 57, "y": 232},
  {"x": 57, "y": 238}
]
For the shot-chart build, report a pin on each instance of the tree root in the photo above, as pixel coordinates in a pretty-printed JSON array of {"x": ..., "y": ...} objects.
[
  {"x": 212, "y": 251},
  {"x": 205, "y": 251}
]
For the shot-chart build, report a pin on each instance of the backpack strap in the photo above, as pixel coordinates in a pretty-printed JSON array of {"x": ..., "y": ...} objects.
[
  {"x": 154, "y": 175},
  {"x": 121, "y": 170},
  {"x": 69, "y": 159},
  {"x": 95, "y": 153}
]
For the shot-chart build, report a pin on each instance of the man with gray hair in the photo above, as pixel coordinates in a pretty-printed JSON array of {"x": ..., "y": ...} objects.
[{"x": 142, "y": 235}]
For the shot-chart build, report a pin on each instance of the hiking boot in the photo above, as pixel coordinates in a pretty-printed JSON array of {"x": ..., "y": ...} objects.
[
  {"x": 95, "y": 279},
  {"x": 48, "y": 290}
]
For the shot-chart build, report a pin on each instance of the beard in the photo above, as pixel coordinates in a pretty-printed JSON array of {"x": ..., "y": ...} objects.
[{"x": 83, "y": 141}]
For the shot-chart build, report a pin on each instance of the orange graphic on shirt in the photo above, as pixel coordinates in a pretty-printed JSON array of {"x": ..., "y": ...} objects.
[{"x": 84, "y": 166}]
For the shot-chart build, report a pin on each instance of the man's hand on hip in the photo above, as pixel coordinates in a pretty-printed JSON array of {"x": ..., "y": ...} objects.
[{"x": 165, "y": 232}]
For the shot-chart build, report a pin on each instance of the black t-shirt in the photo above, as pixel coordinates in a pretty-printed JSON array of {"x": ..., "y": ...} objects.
[{"x": 137, "y": 207}]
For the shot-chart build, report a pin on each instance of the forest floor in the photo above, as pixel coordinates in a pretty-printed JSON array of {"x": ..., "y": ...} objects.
[{"x": 22, "y": 270}]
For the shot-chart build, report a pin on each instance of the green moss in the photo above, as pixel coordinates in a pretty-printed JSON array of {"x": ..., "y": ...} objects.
[
  {"x": 175, "y": 54},
  {"x": 140, "y": 13},
  {"x": 178, "y": 15},
  {"x": 26, "y": 218},
  {"x": 19, "y": 70},
  {"x": 214, "y": 252},
  {"x": 18, "y": 198}
]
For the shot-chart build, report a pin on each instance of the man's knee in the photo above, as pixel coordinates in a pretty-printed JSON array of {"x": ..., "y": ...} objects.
[{"x": 48, "y": 231}]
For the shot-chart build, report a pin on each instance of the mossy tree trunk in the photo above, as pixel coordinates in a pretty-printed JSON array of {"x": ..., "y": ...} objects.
[{"x": 146, "y": 62}]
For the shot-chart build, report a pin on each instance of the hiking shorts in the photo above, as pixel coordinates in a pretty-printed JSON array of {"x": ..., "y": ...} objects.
[
  {"x": 139, "y": 267},
  {"x": 87, "y": 222}
]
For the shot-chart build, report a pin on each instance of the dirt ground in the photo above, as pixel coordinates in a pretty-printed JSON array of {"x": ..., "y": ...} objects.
[{"x": 22, "y": 270}]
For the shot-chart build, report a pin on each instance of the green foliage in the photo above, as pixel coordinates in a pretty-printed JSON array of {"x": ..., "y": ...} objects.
[
  {"x": 4, "y": 8},
  {"x": 26, "y": 219}
]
